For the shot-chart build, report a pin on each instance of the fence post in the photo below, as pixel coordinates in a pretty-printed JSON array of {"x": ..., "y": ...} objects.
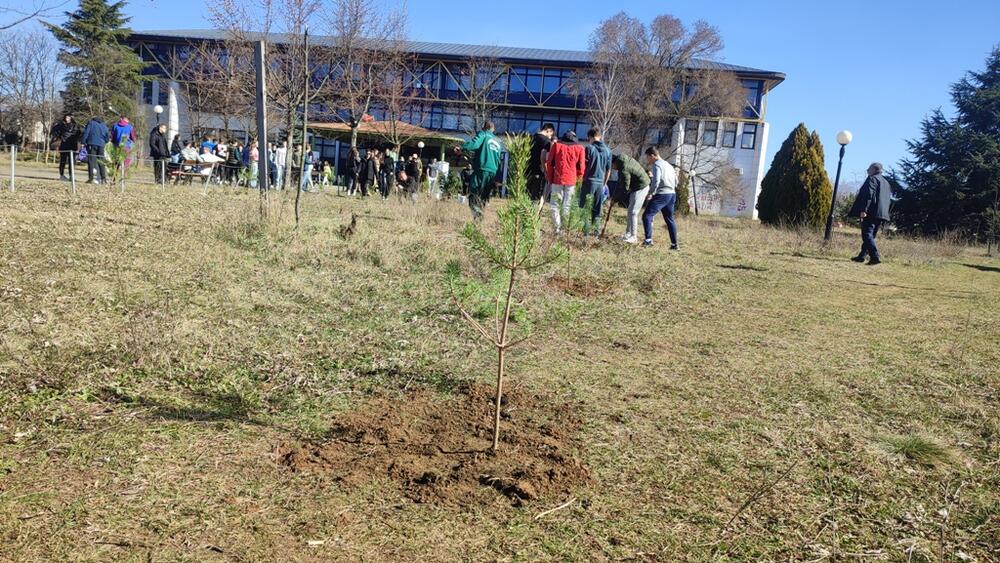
[
  {"x": 13, "y": 157},
  {"x": 72, "y": 170}
]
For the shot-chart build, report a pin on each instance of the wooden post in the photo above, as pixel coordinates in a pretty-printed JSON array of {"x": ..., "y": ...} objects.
[
  {"x": 261, "y": 124},
  {"x": 303, "y": 179}
]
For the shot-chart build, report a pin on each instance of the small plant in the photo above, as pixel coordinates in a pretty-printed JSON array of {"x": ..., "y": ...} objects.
[
  {"x": 117, "y": 158},
  {"x": 919, "y": 449},
  {"x": 515, "y": 251}
]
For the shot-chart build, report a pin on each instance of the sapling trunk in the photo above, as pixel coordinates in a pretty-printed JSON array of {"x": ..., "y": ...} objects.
[{"x": 501, "y": 349}]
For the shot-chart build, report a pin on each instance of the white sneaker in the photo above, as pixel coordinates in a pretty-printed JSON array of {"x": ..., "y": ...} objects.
[{"x": 630, "y": 240}]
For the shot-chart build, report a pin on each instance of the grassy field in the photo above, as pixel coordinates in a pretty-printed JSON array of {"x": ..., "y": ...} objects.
[{"x": 754, "y": 397}]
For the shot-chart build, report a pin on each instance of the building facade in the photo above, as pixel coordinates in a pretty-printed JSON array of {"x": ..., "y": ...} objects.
[{"x": 526, "y": 87}]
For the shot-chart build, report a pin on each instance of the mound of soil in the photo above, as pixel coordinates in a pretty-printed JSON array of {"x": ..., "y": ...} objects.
[{"x": 437, "y": 451}]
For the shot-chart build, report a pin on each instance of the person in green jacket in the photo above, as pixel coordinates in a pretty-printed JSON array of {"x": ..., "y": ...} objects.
[
  {"x": 634, "y": 182},
  {"x": 487, "y": 151}
]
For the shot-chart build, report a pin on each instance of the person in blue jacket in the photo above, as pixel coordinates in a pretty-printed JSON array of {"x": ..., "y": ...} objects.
[{"x": 95, "y": 137}]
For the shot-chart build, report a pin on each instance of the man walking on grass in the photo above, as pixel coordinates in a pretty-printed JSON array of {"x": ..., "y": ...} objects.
[
  {"x": 597, "y": 172},
  {"x": 872, "y": 207},
  {"x": 486, "y": 150},
  {"x": 565, "y": 167},
  {"x": 662, "y": 197},
  {"x": 540, "y": 145}
]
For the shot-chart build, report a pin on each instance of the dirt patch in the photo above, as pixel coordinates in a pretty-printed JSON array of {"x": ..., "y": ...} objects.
[
  {"x": 579, "y": 288},
  {"x": 437, "y": 451}
]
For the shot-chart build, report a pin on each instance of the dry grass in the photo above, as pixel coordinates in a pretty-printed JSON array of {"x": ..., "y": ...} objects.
[{"x": 156, "y": 348}]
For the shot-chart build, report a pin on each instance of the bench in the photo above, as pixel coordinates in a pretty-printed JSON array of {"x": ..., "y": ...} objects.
[{"x": 188, "y": 170}]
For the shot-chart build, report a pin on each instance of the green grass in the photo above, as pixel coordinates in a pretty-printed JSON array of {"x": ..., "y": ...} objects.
[{"x": 157, "y": 347}]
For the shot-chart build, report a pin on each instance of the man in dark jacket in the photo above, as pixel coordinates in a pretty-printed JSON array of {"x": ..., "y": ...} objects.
[
  {"x": 633, "y": 183},
  {"x": 596, "y": 175},
  {"x": 159, "y": 152},
  {"x": 95, "y": 136},
  {"x": 872, "y": 207},
  {"x": 540, "y": 144},
  {"x": 67, "y": 133}
]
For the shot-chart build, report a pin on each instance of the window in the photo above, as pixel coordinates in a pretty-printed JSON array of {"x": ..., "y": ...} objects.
[
  {"x": 729, "y": 135},
  {"x": 557, "y": 81},
  {"x": 711, "y": 134},
  {"x": 749, "y": 139},
  {"x": 147, "y": 92},
  {"x": 691, "y": 131},
  {"x": 753, "y": 90}
]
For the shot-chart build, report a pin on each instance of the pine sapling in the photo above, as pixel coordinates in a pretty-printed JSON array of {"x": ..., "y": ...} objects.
[{"x": 516, "y": 251}]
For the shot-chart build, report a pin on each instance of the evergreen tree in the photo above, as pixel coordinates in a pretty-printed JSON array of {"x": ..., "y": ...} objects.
[
  {"x": 796, "y": 189},
  {"x": 105, "y": 73},
  {"x": 952, "y": 180}
]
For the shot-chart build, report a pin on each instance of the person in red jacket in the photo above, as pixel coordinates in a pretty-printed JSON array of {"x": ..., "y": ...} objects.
[{"x": 566, "y": 165}]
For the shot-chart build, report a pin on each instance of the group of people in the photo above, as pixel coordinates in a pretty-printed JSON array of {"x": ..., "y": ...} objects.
[
  {"x": 89, "y": 143},
  {"x": 230, "y": 161},
  {"x": 557, "y": 165},
  {"x": 383, "y": 169}
]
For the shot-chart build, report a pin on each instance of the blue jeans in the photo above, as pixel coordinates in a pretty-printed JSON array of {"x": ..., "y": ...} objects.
[
  {"x": 660, "y": 203},
  {"x": 869, "y": 230}
]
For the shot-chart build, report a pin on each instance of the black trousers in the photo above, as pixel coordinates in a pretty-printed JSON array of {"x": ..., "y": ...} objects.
[
  {"x": 159, "y": 170},
  {"x": 65, "y": 159}
]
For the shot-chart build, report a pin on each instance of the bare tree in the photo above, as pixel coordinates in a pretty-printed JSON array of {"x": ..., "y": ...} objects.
[
  {"x": 362, "y": 33},
  {"x": 11, "y": 16},
  {"x": 481, "y": 101},
  {"x": 646, "y": 78},
  {"x": 398, "y": 97},
  {"x": 30, "y": 77}
]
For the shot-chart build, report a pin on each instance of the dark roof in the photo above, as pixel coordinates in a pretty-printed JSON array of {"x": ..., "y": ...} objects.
[{"x": 559, "y": 57}]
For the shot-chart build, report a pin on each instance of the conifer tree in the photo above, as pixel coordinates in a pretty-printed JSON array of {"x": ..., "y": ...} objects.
[
  {"x": 952, "y": 180},
  {"x": 796, "y": 189},
  {"x": 515, "y": 251},
  {"x": 105, "y": 73}
]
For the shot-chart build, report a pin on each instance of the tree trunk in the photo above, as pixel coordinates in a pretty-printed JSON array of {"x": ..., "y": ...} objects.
[{"x": 501, "y": 349}]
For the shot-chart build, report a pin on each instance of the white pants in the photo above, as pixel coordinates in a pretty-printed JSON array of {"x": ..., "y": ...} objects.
[
  {"x": 565, "y": 195},
  {"x": 635, "y": 201}
]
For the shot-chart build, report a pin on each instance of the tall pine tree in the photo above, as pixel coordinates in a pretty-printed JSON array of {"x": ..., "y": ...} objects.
[
  {"x": 952, "y": 180},
  {"x": 105, "y": 73},
  {"x": 796, "y": 189}
]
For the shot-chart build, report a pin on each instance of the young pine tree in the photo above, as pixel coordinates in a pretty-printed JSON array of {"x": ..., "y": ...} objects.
[
  {"x": 513, "y": 252},
  {"x": 104, "y": 73},
  {"x": 796, "y": 189}
]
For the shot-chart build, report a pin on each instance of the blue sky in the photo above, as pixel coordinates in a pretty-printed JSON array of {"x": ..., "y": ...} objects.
[{"x": 875, "y": 67}]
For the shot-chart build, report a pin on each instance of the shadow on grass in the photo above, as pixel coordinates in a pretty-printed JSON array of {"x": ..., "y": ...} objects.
[
  {"x": 198, "y": 407},
  {"x": 745, "y": 267},
  {"x": 982, "y": 268},
  {"x": 810, "y": 256}
]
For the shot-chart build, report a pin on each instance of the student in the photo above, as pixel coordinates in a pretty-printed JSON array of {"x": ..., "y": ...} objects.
[
  {"x": 310, "y": 159},
  {"x": 432, "y": 178},
  {"x": 409, "y": 185},
  {"x": 564, "y": 167},
  {"x": 280, "y": 162},
  {"x": 354, "y": 167},
  {"x": 176, "y": 146},
  {"x": 159, "y": 152},
  {"x": 540, "y": 144},
  {"x": 662, "y": 197},
  {"x": 95, "y": 137},
  {"x": 597, "y": 173},
  {"x": 123, "y": 136},
  {"x": 486, "y": 150},
  {"x": 369, "y": 171},
  {"x": 67, "y": 133},
  {"x": 634, "y": 181}
]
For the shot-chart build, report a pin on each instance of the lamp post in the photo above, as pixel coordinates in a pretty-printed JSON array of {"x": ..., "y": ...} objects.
[
  {"x": 420, "y": 149},
  {"x": 843, "y": 138},
  {"x": 158, "y": 109}
]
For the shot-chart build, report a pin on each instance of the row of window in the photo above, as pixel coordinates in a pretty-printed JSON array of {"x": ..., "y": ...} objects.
[{"x": 710, "y": 134}]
